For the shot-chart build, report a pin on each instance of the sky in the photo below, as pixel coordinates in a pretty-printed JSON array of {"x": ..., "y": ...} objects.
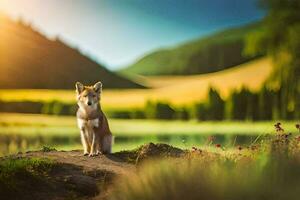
[{"x": 116, "y": 33}]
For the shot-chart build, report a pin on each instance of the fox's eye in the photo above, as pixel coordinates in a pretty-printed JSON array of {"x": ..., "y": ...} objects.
[{"x": 85, "y": 95}]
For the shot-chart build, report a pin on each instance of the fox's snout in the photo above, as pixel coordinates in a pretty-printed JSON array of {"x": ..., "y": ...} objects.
[{"x": 89, "y": 100}]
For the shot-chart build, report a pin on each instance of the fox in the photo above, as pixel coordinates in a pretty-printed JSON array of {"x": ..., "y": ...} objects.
[{"x": 95, "y": 134}]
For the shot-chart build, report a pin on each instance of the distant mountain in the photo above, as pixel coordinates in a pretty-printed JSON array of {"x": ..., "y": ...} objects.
[
  {"x": 209, "y": 54},
  {"x": 30, "y": 60}
]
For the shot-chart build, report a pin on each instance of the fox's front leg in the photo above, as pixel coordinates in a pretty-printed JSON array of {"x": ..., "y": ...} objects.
[
  {"x": 93, "y": 151},
  {"x": 86, "y": 146}
]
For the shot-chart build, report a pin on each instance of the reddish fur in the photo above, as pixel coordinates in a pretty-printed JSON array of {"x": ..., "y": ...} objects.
[{"x": 87, "y": 116}]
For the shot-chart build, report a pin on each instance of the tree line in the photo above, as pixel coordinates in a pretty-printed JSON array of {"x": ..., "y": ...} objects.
[{"x": 242, "y": 104}]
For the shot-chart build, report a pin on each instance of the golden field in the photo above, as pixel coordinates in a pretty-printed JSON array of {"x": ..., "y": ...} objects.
[{"x": 178, "y": 90}]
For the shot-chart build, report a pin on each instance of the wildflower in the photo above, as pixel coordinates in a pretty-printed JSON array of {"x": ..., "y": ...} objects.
[
  {"x": 240, "y": 148},
  {"x": 253, "y": 147},
  {"x": 218, "y": 145},
  {"x": 194, "y": 149},
  {"x": 298, "y": 127},
  {"x": 278, "y": 127},
  {"x": 211, "y": 138}
]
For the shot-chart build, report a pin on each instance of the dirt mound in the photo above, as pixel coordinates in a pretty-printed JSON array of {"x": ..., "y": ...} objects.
[
  {"x": 72, "y": 175},
  {"x": 36, "y": 178},
  {"x": 148, "y": 151},
  {"x": 158, "y": 150}
]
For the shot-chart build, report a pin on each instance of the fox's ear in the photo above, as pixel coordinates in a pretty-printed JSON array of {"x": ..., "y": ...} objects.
[
  {"x": 98, "y": 87},
  {"x": 79, "y": 87}
]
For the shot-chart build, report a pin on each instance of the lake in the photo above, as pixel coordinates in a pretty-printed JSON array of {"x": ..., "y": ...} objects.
[{"x": 23, "y": 132}]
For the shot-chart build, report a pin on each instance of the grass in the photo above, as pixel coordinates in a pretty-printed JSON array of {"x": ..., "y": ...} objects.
[
  {"x": 178, "y": 90},
  {"x": 271, "y": 171},
  {"x": 42, "y": 178},
  {"x": 14, "y": 166},
  {"x": 33, "y": 124},
  {"x": 213, "y": 179},
  {"x": 16, "y": 175}
]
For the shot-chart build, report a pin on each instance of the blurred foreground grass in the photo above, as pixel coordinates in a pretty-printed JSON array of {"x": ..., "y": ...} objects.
[
  {"x": 268, "y": 170},
  {"x": 213, "y": 177}
]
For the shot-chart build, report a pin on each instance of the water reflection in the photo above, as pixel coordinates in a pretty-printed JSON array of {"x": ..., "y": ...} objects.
[{"x": 10, "y": 144}]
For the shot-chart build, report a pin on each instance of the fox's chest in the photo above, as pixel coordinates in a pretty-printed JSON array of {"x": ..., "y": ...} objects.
[{"x": 88, "y": 124}]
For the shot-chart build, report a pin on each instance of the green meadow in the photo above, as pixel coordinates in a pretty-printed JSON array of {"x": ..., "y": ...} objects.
[{"x": 23, "y": 132}]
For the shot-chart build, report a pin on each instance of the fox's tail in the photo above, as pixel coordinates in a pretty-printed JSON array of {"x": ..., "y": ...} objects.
[{"x": 108, "y": 141}]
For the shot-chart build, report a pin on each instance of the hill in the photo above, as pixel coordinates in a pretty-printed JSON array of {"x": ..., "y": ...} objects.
[
  {"x": 183, "y": 90},
  {"x": 30, "y": 60},
  {"x": 213, "y": 53},
  {"x": 178, "y": 90}
]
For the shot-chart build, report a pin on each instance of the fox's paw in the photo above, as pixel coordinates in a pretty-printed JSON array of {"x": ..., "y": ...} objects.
[
  {"x": 85, "y": 153},
  {"x": 92, "y": 154}
]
